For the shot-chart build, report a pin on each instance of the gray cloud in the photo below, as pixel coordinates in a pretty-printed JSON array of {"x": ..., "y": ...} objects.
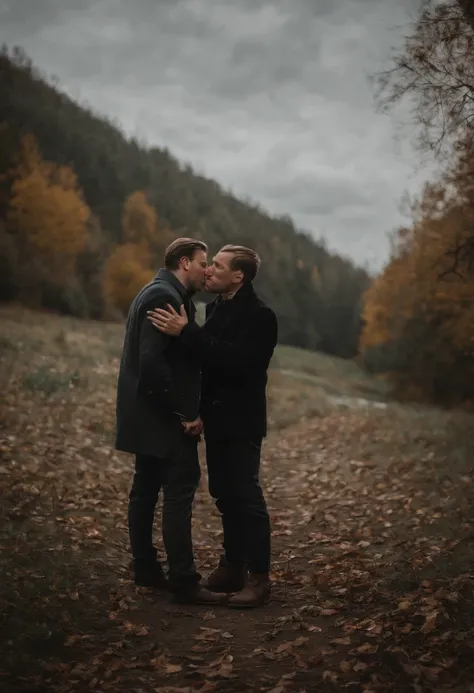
[{"x": 271, "y": 98}]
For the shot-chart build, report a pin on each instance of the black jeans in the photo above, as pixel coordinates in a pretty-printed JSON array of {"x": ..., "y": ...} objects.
[
  {"x": 234, "y": 467},
  {"x": 178, "y": 475}
]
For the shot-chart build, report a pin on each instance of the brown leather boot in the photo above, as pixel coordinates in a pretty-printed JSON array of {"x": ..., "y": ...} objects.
[
  {"x": 255, "y": 593},
  {"x": 197, "y": 594},
  {"x": 226, "y": 578}
]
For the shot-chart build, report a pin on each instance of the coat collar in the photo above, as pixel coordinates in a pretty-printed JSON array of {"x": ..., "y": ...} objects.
[
  {"x": 167, "y": 276},
  {"x": 240, "y": 302},
  {"x": 245, "y": 294}
]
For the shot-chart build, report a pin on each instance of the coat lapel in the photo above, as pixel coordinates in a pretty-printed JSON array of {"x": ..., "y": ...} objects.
[{"x": 225, "y": 311}]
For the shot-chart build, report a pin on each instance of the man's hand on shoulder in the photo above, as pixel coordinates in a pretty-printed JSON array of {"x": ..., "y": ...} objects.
[{"x": 168, "y": 321}]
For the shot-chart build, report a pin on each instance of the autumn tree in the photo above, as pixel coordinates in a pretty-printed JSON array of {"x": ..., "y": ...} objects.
[
  {"x": 139, "y": 220},
  {"x": 434, "y": 73},
  {"x": 419, "y": 313},
  {"x": 132, "y": 264},
  {"x": 7, "y": 156},
  {"x": 418, "y": 326},
  {"x": 44, "y": 230},
  {"x": 111, "y": 167},
  {"x": 127, "y": 271},
  {"x": 46, "y": 211}
]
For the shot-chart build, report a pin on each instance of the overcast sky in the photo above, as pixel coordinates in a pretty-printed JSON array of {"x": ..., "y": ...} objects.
[{"x": 270, "y": 98}]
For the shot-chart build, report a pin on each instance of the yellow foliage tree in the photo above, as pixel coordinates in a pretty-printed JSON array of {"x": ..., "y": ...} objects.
[
  {"x": 139, "y": 219},
  {"x": 419, "y": 313},
  {"x": 129, "y": 267},
  {"x": 126, "y": 272},
  {"x": 387, "y": 304},
  {"x": 445, "y": 297},
  {"x": 47, "y": 211}
]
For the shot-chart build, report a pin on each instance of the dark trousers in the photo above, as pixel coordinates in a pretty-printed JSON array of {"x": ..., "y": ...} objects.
[
  {"x": 178, "y": 476},
  {"x": 234, "y": 467}
]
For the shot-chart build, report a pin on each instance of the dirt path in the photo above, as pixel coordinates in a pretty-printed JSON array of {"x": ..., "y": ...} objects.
[
  {"x": 354, "y": 604},
  {"x": 372, "y": 554}
]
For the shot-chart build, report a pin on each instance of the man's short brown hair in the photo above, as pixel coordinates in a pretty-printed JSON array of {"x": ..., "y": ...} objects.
[
  {"x": 244, "y": 259},
  {"x": 182, "y": 247}
]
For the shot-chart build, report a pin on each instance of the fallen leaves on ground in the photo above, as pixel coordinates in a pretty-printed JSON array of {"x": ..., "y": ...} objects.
[{"x": 373, "y": 543}]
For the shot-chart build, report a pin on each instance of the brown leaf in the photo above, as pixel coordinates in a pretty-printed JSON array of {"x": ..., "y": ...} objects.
[
  {"x": 141, "y": 631},
  {"x": 299, "y": 662},
  {"x": 367, "y": 648},
  {"x": 315, "y": 629},
  {"x": 341, "y": 641},
  {"x": 431, "y": 673},
  {"x": 284, "y": 647},
  {"x": 375, "y": 628},
  {"x": 328, "y": 612},
  {"x": 404, "y": 605},
  {"x": 224, "y": 671},
  {"x": 360, "y": 666},
  {"x": 329, "y": 676},
  {"x": 208, "y": 687},
  {"x": 430, "y": 623},
  {"x": 300, "y": 641},
  {"x": 208, "y": 633},
  {"x": 316, "y": 659}
]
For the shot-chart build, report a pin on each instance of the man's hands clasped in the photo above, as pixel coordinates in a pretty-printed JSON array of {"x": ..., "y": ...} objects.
[{"x": 193, "y": 428}]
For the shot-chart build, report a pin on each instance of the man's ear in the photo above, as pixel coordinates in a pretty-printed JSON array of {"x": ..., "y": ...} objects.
[
  {"x": 239, "y": 276},
  {"x": 185, "y": 261}
]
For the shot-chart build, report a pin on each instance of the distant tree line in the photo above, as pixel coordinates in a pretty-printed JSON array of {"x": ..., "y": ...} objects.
[{"x": 85, "y": 214}]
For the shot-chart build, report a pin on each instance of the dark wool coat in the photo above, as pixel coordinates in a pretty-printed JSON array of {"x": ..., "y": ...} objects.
[
  {"x": 158, "y": 383},
  {"x": 235, "y": 347}
]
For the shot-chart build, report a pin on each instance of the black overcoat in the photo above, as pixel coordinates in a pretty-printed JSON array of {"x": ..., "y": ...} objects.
[
  {"x": 158, "y": 383},
  {"x": 235, "y": 346}
]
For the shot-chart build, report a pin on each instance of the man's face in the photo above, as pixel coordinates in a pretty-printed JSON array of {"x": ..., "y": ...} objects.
[
  {"x": 220, "y": 277},
  {"x": 196, "y": 271}
]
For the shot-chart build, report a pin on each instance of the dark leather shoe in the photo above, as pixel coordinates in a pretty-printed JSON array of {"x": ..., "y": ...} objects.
[
  {"x": 255, "y": 593},
  {"x": 196, "y": 594},
  {"x": 226, "y": 578},
  {"x": 150, "y": 575}
]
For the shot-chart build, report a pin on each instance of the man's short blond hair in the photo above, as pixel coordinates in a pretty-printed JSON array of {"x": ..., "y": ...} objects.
[{"x": 244, "y": 259}]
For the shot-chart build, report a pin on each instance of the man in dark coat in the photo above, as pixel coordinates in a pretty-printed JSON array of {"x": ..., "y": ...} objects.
[
  {"x": 158, "y": 401},
  {"x": 235, "y": 346}
]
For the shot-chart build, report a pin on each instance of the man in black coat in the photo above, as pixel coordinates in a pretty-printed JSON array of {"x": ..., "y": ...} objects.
[
  {"x": 235, "y": 346},
  {"x": 158, "y": 401}
]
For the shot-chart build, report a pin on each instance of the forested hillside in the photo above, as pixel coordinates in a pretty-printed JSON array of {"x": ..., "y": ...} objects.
[{"x": 92, "y": 211}]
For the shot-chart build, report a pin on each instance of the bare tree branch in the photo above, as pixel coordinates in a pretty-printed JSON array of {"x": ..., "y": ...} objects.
[{"x": 435, "y": 72}]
